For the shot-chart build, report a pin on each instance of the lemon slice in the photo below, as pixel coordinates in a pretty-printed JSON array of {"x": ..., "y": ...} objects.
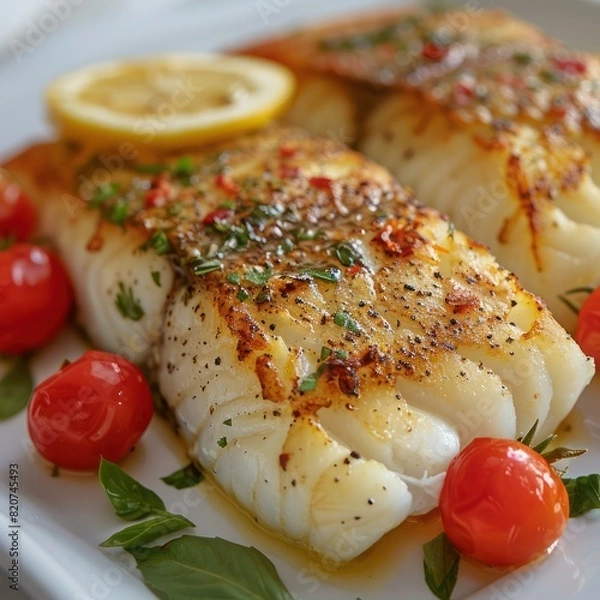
[{"x": 169, "y": 101}]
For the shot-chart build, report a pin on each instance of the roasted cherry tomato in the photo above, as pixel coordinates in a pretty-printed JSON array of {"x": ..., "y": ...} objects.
[
  {"x": 35, "y": 297},
  {"x": 17, "y": 213},
  {"x": 99, "y": 405},
  {"x": 588, "y": 326},
  {"x": 502, "y": 503}
]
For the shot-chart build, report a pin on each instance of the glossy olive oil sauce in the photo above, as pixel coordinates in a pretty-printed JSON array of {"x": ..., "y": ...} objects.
[{"x": 377, "y": 566}]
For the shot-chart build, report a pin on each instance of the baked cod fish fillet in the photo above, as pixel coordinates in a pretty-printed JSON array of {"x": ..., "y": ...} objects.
[
  {"x": 488, "y": 119},
  {"x": 326, "y": 343}
]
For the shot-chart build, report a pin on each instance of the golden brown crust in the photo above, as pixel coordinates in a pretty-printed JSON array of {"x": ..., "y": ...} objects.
[
  {"x": 294, "y": 233},
  {"x": 477, "y": 65}
]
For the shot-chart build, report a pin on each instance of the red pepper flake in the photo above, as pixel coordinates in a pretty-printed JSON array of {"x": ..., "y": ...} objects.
[
  {"x": 321, "y": 183},
  {"x": 354, "y": 269},
  {"x": 399, "y": 238},
  {"x": 225, "y": 183},
  {"x": 463, "y": 93},
  {"x": 288, "y": 172},
  {"x": 158, "y": 195},
  {"x": 286, "y": 151},
  {"x": 217, "y": 216},
  {"x": 434, "y": 51},
  {"x": 572, "y": 66}
]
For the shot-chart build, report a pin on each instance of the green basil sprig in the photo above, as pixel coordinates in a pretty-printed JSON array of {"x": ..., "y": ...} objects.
[{"x": 189, "y": 566}]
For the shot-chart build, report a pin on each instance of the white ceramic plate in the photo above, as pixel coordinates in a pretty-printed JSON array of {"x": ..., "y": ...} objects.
[{"x": 63, "y": 519}]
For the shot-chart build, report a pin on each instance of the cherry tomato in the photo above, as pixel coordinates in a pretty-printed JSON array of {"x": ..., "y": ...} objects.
[
  {"x": 502, "y": 503},
  {"x": 588, "y": 326},
  {"x": 17, "y": 213},
  {"x": 99, "y": 405},
  {"x": 35, "y": 297}
]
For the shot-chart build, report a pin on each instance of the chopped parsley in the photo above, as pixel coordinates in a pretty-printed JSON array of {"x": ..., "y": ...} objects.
[
  {"x": 222, "y": 442},
  {"x": 104, "y": 193},
  {"x": 156, "y": 277},
  {"x": 343, "y": 319},
  {"x": 330, "y": 274},
  {"x": 128, "y": 305},
  {"x": 183, "y": 169},
  {"x": 345, "y": 253},
  {"x": 118, "y": 212},
  {"x": 258, "y": 276},
  {"x": 160, "y": 242}
]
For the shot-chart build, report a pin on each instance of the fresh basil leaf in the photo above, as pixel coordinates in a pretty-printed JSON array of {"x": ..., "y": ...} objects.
[
  {"x": 191, "y": 567},
  {"x": 16, "y": 388},
  {"x": 130, "y": 499},
  {"x": 187, "y": 477},
  {"x": 147, "y": 531},
  {"x": 440, "y": 562},
  {"x": 584, "y": 494}
]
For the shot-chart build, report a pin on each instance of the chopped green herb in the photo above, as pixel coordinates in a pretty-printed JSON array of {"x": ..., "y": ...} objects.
[
  {"x": 119, "y": 212},
  {"x": 284, "y": 247},
  {"x": 325, "y": 353},
  {"x": 233, "y": 278},
  {"x": 522, "y": 58},
  {"x": 186, "y": 477},
  {"x": 160, "y": 242},
  {"x": 263, "y": 296},
  {"x": 341, "y": 354},
  {"x": 309, "y": 383},
  {"x": 345, "y": 253},
  {"x": 242, "y": 295},
  {"x": 103, "y": 193},
  {"x": 258, "y": 276},
  {"x": 222, "y": 442},
  {"x": 183, "y": 169},
  {"x": 151, "y": 169},
  {"x": 156, "y": 278},
  {"x": 343, "y": 319},
  {"x": 227, "y": 422},
  {"x": 307, "y": 234},
  {"x": 201, "y": 266},
  {"x": 174, "y": 209},
  {"x": 330, "y": 274},
  {"x": 128, "y": 305}
]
